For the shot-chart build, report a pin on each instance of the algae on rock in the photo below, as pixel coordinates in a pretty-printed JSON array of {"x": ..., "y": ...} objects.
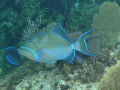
[{"x": 108, "y": 20}]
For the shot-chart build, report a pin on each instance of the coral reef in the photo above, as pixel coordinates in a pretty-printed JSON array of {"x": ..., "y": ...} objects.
[
  {"x": 108, "y": 21},
  {"x": 94, "y": 67},
  {"x": 92, "y": 70},
  {"x": 67, "y": 69},
  {"x": 111, "y": 80},
  {"x": 32, "y": 76}
]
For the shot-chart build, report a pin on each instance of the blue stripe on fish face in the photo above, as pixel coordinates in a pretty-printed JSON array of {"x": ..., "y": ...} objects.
[{"x": 27, "y": 52}]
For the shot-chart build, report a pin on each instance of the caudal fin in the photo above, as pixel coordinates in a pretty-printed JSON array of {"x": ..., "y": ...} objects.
[{"x": 81, "y": 44}]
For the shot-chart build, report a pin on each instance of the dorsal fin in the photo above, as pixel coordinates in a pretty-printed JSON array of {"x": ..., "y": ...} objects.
[{"x": 58, "y": 29}]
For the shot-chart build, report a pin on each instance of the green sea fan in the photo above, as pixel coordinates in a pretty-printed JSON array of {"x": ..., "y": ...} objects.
[{"x": 108, "y": 20}]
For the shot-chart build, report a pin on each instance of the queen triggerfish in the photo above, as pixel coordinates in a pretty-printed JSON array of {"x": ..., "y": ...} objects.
[{"x": 48, "y": 47}]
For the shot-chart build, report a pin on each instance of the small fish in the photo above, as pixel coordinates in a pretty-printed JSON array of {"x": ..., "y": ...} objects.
[
  {"x": 12, "y": 56},
  {"x": 55, "y": 45}
]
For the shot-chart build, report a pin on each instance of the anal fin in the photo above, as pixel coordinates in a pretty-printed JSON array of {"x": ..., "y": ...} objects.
[{"x": 70, "y": 57}]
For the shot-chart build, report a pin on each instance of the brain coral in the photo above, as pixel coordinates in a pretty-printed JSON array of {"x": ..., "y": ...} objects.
[
  {"x": 111, "y": 80},
  {"x": 108, "y": 20}
]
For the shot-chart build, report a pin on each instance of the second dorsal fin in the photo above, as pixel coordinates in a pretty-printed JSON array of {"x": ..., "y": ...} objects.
[{"x": 58, "y": 29}]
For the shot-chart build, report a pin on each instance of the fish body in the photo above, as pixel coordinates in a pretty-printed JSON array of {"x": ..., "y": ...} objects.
[
  {"x": 54, "y": 45},
  {"x": 46, "y": 47}
]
